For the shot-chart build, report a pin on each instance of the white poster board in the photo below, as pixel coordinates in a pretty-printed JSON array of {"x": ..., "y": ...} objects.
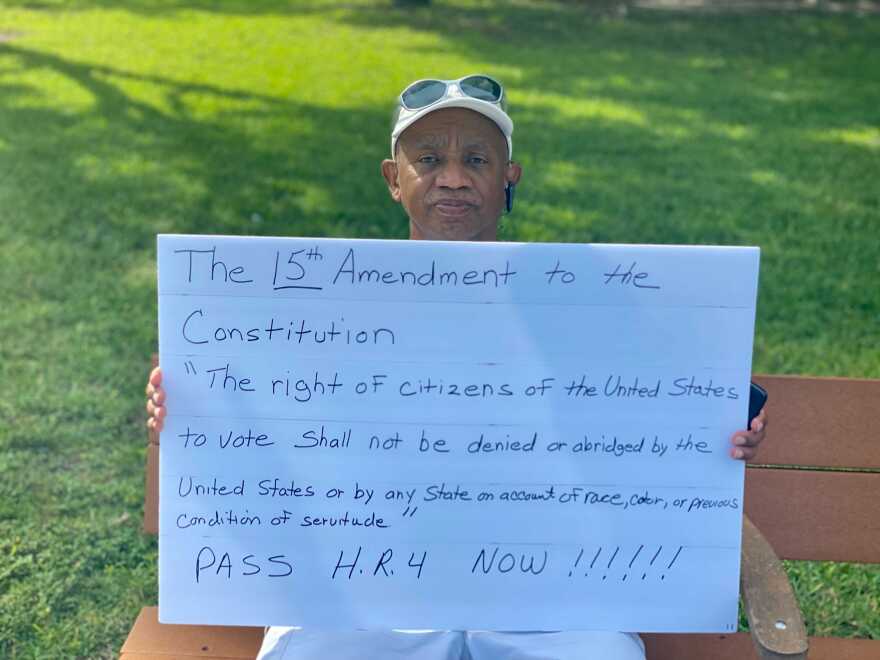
[{"x": 412, "y": 434}]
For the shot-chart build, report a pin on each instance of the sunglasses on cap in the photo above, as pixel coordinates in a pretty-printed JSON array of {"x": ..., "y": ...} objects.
[{"x": 423, "y": 93}]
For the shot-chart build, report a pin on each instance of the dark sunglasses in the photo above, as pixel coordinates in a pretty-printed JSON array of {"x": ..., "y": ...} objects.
[{"x": 427, "y": 92}]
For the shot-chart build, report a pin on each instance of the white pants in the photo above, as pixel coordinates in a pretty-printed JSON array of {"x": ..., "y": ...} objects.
[{"x": 298, "y": 644}]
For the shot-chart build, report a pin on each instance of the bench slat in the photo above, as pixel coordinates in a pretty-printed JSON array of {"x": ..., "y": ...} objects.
[
  {"x": 821, "y": 422},
  {"x": 149, "y": 638},
  {"x": 816, "y": 515},
  {"x": 740, "y": 647}
]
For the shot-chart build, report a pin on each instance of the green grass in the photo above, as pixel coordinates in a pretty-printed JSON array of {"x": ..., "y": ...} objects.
[{"x": 121, "y": 119}]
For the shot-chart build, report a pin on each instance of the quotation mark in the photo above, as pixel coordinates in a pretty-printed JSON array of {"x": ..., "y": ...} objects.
[{"x": 190, "y": 367}]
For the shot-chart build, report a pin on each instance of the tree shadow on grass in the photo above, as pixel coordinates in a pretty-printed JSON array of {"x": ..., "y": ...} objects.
[{"x": 207, "y": 173}]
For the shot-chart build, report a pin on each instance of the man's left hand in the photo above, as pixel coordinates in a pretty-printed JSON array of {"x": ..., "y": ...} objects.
[{"x": 745, "y": 443}]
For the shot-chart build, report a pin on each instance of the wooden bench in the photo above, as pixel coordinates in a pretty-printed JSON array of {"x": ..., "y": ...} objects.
[{"x": 814, "y": 497}]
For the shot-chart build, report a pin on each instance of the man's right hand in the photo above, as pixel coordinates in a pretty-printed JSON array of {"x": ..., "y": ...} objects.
[{"x": 155, "y": 401}]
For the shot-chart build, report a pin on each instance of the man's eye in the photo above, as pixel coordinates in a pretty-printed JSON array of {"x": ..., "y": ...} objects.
[
  {"x": 430, "y": 160},
  {"x": 477, "y": 160}
]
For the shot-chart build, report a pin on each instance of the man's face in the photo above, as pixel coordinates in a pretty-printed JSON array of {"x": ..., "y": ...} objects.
[{"x": 450, "y": 172}]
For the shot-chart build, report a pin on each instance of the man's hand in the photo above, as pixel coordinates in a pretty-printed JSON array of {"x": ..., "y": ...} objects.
[
  {"x": 155, "y": 401},
  {"x": 745, "y": 443}
]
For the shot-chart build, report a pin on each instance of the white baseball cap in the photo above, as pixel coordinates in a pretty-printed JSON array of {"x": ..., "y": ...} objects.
[{"x": 477, "y": 92}]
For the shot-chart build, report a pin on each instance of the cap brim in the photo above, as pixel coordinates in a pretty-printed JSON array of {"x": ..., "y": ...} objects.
[{"x": 408, "y": 117}]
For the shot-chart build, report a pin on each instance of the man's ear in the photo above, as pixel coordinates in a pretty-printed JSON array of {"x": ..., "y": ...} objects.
[
  {"x": 390, "y": 172},
  {"x": 513, "y": 173}
]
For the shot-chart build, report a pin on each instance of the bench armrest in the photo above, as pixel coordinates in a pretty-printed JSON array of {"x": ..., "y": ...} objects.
[{"x": 775, "y": 621}]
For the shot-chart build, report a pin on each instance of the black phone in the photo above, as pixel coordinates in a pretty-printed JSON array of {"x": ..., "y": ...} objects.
[{"x": 757, "y": 399}]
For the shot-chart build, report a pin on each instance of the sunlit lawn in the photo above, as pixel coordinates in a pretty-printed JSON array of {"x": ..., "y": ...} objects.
[{"x": 119, "y": 120}]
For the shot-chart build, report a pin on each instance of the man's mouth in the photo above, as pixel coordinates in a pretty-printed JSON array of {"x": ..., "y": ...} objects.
[{"x": 453, "y": 207}]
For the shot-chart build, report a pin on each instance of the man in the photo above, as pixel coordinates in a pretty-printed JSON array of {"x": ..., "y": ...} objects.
[{"x": 451, "y": 170}]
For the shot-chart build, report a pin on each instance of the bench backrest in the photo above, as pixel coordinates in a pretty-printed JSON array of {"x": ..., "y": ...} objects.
[{"x": 817, "y": 501}]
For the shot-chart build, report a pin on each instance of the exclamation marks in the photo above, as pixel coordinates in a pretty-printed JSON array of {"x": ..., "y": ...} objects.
[
  {"x": 677, "y": 553},
  {"x": 653, "y": 559},
  {"x": 632, "y": 561},
  {"x": 576, "y": 561},
  {"x": 635, "y": 563},
  {"x": 593, "y": 563},
  {"x": 611, "y": 561}
]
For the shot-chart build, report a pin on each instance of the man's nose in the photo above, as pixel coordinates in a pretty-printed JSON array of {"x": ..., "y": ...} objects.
[{"x": 453, "y": 175}]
